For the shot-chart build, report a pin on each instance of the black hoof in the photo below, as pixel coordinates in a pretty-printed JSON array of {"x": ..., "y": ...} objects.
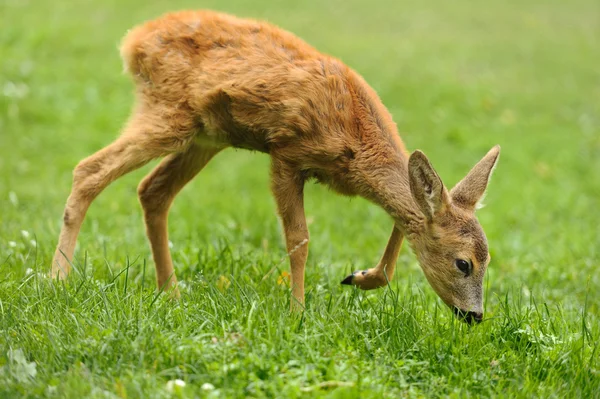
[{"x": 348, "y": 280}]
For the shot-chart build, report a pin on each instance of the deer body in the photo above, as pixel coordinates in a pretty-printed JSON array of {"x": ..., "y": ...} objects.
[{"x": 207, "y": 81}]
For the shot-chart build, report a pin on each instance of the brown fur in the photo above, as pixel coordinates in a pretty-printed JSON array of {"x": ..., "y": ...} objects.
[{"x": 206, "y": 81}]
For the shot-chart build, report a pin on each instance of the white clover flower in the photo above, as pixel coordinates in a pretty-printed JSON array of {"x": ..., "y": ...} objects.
[
  {"x": 175, "y": 385},
  {"x": 207, "y": 386}
]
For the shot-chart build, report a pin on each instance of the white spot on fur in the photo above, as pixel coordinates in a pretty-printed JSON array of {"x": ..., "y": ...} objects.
[{"x": 194, "y": 25}]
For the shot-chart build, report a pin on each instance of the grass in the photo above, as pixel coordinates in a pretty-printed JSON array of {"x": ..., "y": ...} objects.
[{"x": 458, "y": 77}]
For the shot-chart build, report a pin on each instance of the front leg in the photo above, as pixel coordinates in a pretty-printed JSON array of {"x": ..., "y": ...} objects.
[
  {"x": 384, "y": 271},
  {"x": 288, "y": 188}
]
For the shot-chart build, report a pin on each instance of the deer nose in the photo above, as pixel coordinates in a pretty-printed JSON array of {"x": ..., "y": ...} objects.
[
  {"x": 468, "y": 316},
  {"x": 476, "y": 316}
]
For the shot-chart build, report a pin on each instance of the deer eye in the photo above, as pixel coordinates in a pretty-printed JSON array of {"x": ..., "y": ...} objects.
[{"x": 463, "y": 266}]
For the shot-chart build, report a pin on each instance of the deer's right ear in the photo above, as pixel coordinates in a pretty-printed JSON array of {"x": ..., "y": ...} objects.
[{"x": 426, "y": 187}]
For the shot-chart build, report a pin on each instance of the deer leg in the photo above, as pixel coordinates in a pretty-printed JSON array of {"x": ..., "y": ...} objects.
[
  {"x": 157, "y": 192},
  {"x": 288, "y": 187},
  {"x": 144, "y": 138},
  {"x": 384, "y": 271}
]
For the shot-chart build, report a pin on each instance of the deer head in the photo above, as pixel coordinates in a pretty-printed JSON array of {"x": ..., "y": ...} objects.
[{"x": 450, "y": 244}]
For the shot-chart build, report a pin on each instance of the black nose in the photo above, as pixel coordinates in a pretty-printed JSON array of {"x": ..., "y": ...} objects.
[{"x": 468, "y": 316}]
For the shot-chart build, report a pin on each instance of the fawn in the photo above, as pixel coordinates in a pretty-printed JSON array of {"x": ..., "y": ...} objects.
[{"x": 206, "y": 81}]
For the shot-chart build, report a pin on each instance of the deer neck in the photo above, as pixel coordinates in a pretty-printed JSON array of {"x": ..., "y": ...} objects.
[
  {"x": 380, "y": 172},
  {"x": 387, "y": 185}
]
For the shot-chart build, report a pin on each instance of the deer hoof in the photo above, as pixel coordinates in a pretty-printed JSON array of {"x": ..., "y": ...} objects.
[
  {"x": 365, "y": 279},
  {"x": 348, "y": 280}
]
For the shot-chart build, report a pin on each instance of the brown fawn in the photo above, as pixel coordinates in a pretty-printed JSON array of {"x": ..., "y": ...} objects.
[{"x": 206, "y": 81}]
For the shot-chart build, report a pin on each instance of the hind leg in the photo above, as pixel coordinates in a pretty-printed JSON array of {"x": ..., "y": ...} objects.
[
  {"x": 144, "y": 138},
  {"x": 156, "y": 193}
]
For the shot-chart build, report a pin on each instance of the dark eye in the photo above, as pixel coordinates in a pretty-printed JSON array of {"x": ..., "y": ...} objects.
[{"x": 463, "y": 266}]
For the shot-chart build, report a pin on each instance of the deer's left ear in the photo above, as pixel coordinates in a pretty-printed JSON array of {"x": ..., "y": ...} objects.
[{"x": 469, "y": 192}]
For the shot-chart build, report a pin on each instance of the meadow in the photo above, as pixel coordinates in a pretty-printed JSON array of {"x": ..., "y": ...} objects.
[{"x": 459, "y": 77}]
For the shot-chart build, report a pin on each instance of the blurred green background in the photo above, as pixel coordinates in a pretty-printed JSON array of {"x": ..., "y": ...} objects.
[{"x": 458, "y": 77}]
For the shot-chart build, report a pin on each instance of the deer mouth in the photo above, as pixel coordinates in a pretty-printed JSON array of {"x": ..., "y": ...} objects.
[{"x": 468, "y": 316}]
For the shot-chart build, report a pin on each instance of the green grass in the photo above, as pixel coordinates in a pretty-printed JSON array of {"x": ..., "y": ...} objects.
[{"x": 458, "y": 77}]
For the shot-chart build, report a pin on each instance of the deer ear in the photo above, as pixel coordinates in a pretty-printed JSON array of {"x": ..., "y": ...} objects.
[
  {"x": 469, "y": 192},
  {"x": 426, "y": 187}
]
